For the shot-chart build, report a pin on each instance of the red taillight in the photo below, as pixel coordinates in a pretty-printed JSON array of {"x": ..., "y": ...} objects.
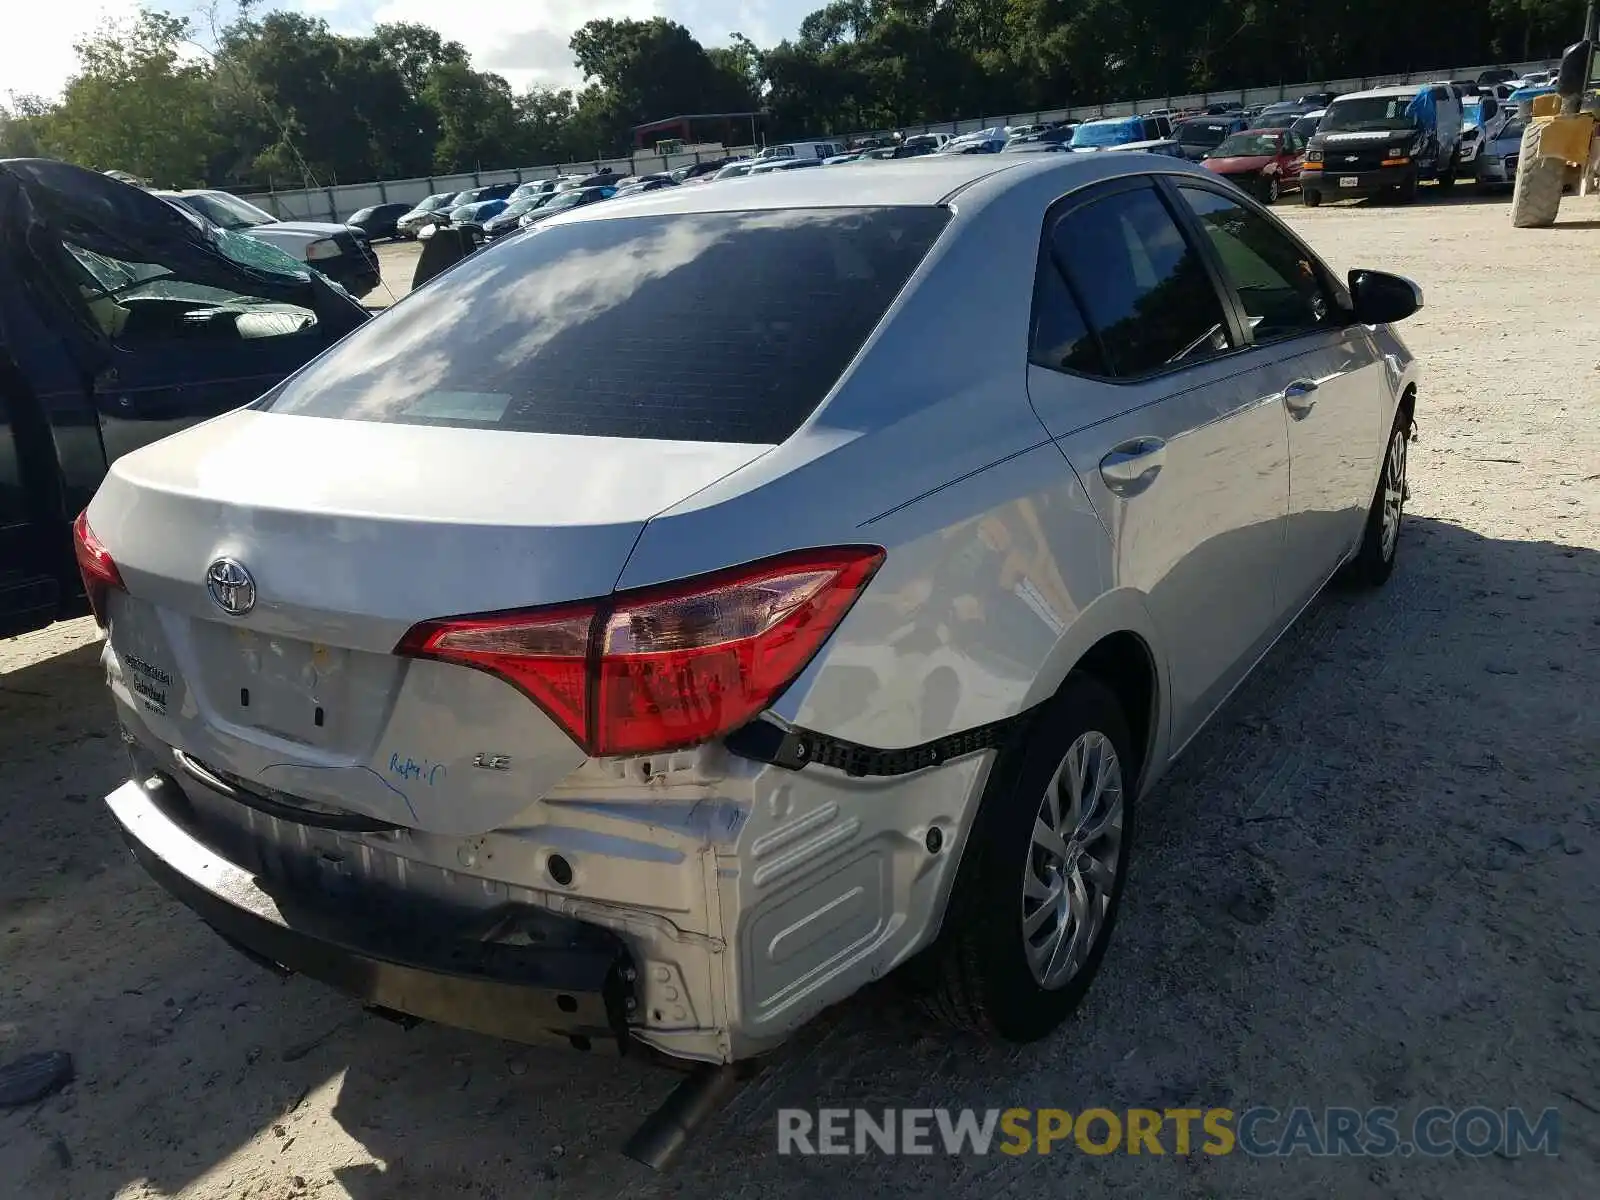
[
  {"x": 95, "y": 564},
  {"x": 664, "y": 667}
]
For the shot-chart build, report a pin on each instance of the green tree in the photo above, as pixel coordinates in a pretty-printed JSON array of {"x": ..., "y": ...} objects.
[
  {"x": 416, "y": 51},
  {"x": 646, "y": 70},
  {"x": 477, "y": 118},
  {"x": 136, "y": 104}
]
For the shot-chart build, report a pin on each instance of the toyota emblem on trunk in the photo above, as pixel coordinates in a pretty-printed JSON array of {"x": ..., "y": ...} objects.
[{"x": 231, "y": 586}]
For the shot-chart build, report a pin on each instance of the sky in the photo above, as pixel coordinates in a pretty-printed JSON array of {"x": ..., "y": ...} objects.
[{"x": 524, "y": 40}]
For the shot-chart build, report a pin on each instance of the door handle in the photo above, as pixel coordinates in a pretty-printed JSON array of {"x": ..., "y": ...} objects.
[
  {"x": 1300, "y": 397},
  {"x": 1133, "y": 465}
]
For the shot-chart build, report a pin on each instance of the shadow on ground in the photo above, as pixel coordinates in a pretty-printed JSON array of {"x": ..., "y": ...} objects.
[{"x": 1336, "y": 900}]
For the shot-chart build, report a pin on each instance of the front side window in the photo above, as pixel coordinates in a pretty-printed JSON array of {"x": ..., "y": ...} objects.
[
  {"x": 135, "y": 303},
  {"x": 724, "y": 327},
  {"x": 1145, "y": 287},
  {"x": 1278, "y": 285}
]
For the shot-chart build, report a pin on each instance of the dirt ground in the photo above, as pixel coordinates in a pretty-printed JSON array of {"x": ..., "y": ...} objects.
[{"x": 1375, "y": 880}]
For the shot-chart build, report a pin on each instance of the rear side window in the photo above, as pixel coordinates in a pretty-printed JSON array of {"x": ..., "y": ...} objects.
[
  {"x": 1145, "y": 287},
  {"x": 723, "y": 327}
]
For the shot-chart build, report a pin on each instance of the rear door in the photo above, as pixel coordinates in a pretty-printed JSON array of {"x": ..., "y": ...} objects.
[
  {"x": 1178, "y": 438},
  {"x": 1327, "y": 372}
]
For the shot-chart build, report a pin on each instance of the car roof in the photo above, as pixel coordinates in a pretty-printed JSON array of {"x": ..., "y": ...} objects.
[
  {"x": 978, "y": 178},
  {"x": 1384, "y": 93}
]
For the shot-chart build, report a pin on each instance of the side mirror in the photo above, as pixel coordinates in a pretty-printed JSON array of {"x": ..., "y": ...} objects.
[
  {"x": 1379, "y": 298},
  {"x": 1574, "y": 73}
]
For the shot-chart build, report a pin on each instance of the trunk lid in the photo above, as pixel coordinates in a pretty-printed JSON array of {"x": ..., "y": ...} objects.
[{"x": 351, "y": 532}]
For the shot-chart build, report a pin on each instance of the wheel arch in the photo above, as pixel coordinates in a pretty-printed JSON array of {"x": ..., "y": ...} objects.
[{"x": 1115, "y": 641}]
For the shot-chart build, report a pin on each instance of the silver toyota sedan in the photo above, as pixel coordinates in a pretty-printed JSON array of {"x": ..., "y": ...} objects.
[{"x": 675, "y": 617}]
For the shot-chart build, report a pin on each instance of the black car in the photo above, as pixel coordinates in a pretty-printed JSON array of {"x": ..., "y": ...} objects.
[
  {"x": 493, "y": 191},
  {"x": 1281, "y": 115},
  {"x": 1197, "y": 135},
  {"x": 123, "y": 318},
  {"x": 505, "y": 221},
  {"x": 378, "y": 221},
  {"x": 706, "y": 167},
  {"x": 1494, "y": 75},
  {"x": 1316, "y": 100},
  {"x": 604, "y": 177}
]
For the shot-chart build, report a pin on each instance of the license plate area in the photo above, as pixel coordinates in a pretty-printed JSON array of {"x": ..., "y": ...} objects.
[
  {"x": 1349, "y": 181},
  {"x": 303, "y": 691}
]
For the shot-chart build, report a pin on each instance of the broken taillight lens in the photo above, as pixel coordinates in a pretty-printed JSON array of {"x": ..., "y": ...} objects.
[
  {"x": 664, "y": 667},
  {"x": 96, "y": 565}
]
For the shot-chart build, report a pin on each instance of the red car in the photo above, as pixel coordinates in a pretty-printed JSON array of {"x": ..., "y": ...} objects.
[{"x": 1264, "y": 162}]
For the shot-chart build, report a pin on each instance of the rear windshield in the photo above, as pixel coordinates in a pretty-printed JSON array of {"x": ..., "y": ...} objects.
[
  {"x": 1203, "y": 133},
  {"x": 720, "y": 327}
]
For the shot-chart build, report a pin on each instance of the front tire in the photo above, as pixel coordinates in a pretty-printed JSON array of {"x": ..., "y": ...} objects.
[
  {"x": 1041, "y": 881},
  {"x": 1271, "y": 192},
  {"x": 1380, "y": 545}
]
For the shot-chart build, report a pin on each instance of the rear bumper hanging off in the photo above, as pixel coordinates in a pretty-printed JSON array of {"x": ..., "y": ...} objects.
[{"x": 573, "y": 990}]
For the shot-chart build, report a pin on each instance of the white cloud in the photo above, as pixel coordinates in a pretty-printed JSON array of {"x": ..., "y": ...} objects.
[
  {"x": 36, "y": 50},
  {"x": 525, "y": 42}
]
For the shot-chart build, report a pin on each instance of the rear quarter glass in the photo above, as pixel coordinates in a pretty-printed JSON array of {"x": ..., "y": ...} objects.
[{"x": 721, "y": 327}]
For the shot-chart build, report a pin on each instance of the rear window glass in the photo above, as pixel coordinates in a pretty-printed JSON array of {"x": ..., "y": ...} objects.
[{"x": 724, "y": 327}]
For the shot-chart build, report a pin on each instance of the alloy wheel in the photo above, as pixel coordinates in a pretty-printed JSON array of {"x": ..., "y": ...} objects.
[
  {"x": 1073, "y": 861},
  {"x": 1394, "y": 492}
]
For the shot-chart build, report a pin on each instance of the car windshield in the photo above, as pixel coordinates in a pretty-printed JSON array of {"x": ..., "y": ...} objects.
[
  {"x": 1369, "y": 114},
  {"x": 1202, "y": 133},
  {"x": 1249, "y": 145},
  {"x": 1512, "y": 132},
  {"x": 1114, "y": 133},
  {"x": 721, "y": 327},
  {"x": 226, "y": 211},
  {"x": 517, "y": 207},
  {"x": 734, "y": 171}
]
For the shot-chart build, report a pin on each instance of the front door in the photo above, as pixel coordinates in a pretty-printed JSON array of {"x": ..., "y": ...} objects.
[
  {"x": 1177, "y": 437},
  {"x": 1326, "y": 372}
]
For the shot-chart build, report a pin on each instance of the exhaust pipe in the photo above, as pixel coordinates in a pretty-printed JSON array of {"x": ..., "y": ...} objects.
[{"x": 659, "y": 1141}]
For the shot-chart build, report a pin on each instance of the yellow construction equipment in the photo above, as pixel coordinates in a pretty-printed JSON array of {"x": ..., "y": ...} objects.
[{"x": 1559, "y": 145}]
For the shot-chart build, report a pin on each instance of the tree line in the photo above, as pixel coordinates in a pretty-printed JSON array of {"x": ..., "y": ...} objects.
[{"x": 277, "y": 99}]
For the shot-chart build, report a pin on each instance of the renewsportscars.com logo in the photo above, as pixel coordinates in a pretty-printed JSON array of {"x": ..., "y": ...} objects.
[{"x": 1260, "y": 1132}]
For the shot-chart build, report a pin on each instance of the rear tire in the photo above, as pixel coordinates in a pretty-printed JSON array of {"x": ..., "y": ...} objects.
[
  {"x": 1311, "y": 199},
  {"x": 1041, "y": 881},
  {"x": 1447, "y": 181},
  {"x": 1407, "y": 191}
]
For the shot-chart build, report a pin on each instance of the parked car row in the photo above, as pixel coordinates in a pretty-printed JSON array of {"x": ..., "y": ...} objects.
[{"x": 340, "y": 252}]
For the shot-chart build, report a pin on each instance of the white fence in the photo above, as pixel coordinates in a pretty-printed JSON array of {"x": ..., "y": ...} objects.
[{"x": 339, "y": 203}]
